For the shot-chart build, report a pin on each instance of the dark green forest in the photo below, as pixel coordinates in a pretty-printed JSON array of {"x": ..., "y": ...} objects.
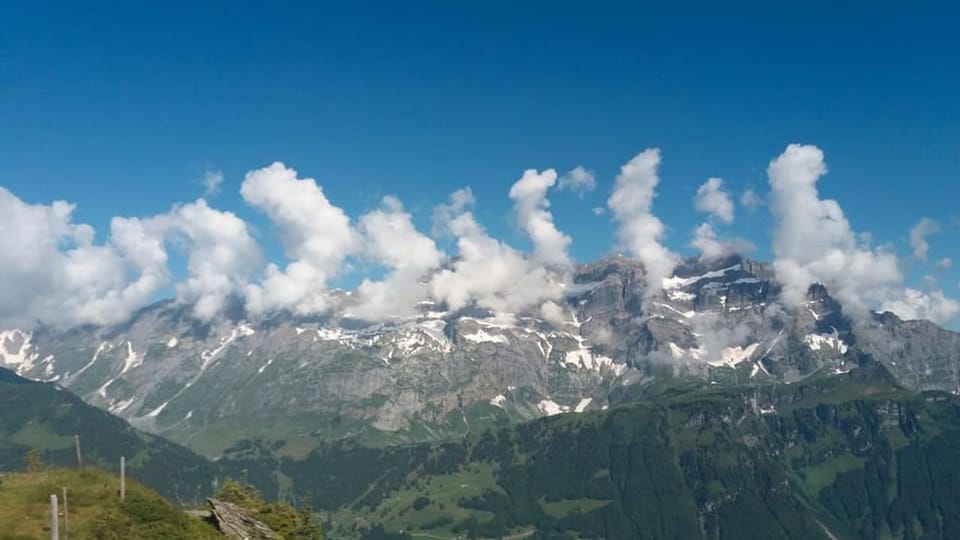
[{"x": 847, "y": 457}]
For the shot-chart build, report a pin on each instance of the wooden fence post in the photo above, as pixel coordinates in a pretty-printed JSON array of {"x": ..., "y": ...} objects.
[{"x": 76, "y": 440}]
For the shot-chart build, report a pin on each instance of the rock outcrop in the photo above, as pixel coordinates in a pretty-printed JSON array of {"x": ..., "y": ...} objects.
[{"x": 235, "y": 522}]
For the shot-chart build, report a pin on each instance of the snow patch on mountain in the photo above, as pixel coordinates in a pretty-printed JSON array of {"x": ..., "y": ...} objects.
[
  {"x": 120, "y": 406},
  {"x": 680, "y": 296},
  {"x": 338, "y": 335},
  {"x": 15, "y": 350},
  {"x": 265, "y": 366},
  {"x": 685, "y": 314},
  {"x": 410, "y": 340},
  {"x": 818, "y": 342},
  {"x": 731, "y": 356},
  {"x": 679, "y": 282},
  {"x": 156, "y": 412},
  {"x": 482, "y": 336},
  {"x": 582, "y": 405},
  {"x": 549, "y": 407},
  {"x": 132, "y": 361},
  {"x": 96, "y": 355},
  {"x": 209, "y": 355}
]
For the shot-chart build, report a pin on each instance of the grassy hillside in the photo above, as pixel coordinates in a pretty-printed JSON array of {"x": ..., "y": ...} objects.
[
  {"x": 45, "y": 417},
  {"x": 850, "y": 457},
  {"x": 94, "y": 507}
]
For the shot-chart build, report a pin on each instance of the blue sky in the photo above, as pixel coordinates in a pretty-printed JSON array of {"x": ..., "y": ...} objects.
[{"x": 122, "y": 109}]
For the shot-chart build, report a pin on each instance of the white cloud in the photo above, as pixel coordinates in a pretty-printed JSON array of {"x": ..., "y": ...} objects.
[
  {"x": 211, "y": 182},
  {"x": 705, "y": 240},
  {"x": 389, "y": 237},
  {"x": 713, "y": 200},
  {"x": 945, "y": 263},
  {"x": 222, "y": 255},
  {"x": 578, "y": 180},
  {"x": 445, "y": 213},
  {"x": 914, "y": 304},
  {"x": 918, "y": 237},
  {"x": 813, "y": 241},
  {"x": 316, "y": 236},
  {"x": 53, "y": 272},
  {"x": 717, "y": 204},
  {"x": 598, "y": 210},
  {"x": 529, "y": 194},
  {"x": 639, "y": 230},
  {"x": 750, "y": 200},
  {"x": 487, "y": 271}
]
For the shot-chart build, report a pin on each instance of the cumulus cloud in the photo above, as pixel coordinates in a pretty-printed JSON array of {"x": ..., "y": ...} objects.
[
  {"x": 529, "y": 195},
  {"x": 598, "y": 210},
  {"x": 486, "y": 271},
  {"x": 316, "y": 235},
  {"x": 211, "y": 182},
  {"x": 639, "y": 230},
  {"x": 578, "y": 180},
  {"x": 918, "y": 237},
  {"x": 445, "y": 213},
  {"x": 390, "y": 238},
  {"x": 945, "y": 263},
  {"x": 915, "y": 304},
  {"x": 813, "y": 241},
  {"x": 221, "y": 255},
  {"x": 705, "y": 240},
  {"x": 54, "y": 273},
  {"x": 713, "y": 200},
  {"x": 750, "y": 200}
]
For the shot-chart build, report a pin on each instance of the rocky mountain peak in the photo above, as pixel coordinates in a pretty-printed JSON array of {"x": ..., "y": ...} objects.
[{"x": 440, "y": 372}]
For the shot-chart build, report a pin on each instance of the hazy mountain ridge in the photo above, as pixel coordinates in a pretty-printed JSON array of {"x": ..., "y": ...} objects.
[{"x": 441, "y": 373}]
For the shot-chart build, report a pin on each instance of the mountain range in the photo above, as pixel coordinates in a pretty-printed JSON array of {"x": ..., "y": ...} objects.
[{"x": 296, "y": 382}]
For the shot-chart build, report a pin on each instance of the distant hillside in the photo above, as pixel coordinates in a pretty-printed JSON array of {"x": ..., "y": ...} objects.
[
  {"x": 94, "y": 509},
  {"x": 835, "y": 457},
  {"x": 45, "y": 417}
]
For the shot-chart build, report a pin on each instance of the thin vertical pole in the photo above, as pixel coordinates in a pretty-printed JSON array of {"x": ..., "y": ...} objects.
[
  {"x": 66, "y": 516},
  {"x": 123, "y": 478},
  {"x": 76, "y": 440},
  {"x": 54, "y": 522}
]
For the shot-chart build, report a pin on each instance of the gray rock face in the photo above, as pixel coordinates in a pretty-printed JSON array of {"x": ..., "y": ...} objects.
[
  {"x": 235, "y": 523},
  {"x": 304, "y": 380}
]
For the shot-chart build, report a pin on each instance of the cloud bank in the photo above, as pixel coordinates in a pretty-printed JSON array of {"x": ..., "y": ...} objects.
[{"x": 57, "y": 272}]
